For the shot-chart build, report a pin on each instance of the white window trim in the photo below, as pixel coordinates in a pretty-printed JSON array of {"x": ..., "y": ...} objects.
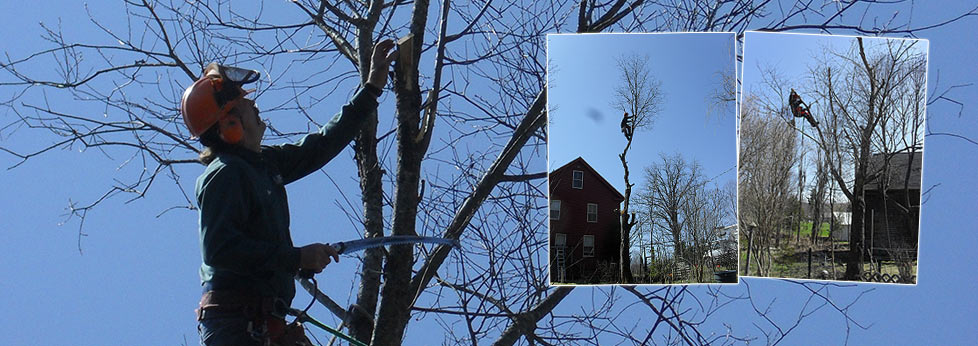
[
  {"x": 584, "y": 246},
  {"x": 595, "y": 212},
  {"x": 573, "y": 173},
  {"x": 557, "y": 209}
]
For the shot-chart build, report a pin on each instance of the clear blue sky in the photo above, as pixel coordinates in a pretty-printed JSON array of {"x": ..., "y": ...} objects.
[
  {"x": 137, "y": 282},
  {"x": 583, "y": 77}
]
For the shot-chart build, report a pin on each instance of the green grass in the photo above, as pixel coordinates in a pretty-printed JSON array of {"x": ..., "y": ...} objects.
[{"x": 806, "y": 230}]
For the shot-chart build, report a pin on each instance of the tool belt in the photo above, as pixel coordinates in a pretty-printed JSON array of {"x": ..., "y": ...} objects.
[
  {"x": 225, "y": 304},
  {"x": 266, "y": 316}
]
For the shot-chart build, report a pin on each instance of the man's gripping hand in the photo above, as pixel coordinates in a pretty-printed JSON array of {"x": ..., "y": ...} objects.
[
  {"x": 380, "y": 62},
  {"x": 315, "y": 257}
]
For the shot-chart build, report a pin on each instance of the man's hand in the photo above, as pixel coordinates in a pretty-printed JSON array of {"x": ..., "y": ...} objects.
[
  {"x": 380, "y": 62},
  {"x": 315, "y": 257}
]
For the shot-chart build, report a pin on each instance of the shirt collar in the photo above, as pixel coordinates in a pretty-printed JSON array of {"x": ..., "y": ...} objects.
[{"x": 252, "y": 157}]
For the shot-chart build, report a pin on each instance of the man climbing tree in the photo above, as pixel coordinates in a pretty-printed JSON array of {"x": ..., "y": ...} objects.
[
  {"x": 628, "y": 126},
  {"x": 249, "y": 260},
  {"x": 800, "y": 109},
  {"x": 640, "y": 97}
]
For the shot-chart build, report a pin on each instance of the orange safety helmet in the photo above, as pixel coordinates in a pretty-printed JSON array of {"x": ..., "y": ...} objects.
[{"x": 209, "y": 100}]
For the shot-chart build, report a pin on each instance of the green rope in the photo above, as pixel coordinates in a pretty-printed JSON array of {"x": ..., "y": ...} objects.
[{"x": 305, "y": 318}]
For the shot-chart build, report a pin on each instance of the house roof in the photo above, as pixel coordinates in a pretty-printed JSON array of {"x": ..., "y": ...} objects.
[
  {"x": 897, "y": 177},
  {"x": 588, "y": 166}
]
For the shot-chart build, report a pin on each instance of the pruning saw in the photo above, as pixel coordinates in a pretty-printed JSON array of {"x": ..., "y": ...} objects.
[{"x": 351, "y": 246}]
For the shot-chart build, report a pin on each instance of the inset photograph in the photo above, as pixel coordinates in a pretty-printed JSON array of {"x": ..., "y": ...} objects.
[
  {"x": 642, "y": 155},
  {"x": 831, "y": 153}
]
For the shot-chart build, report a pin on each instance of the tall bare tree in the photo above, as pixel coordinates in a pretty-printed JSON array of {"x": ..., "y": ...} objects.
[
  {"x": 817, "y": 195},
  {"x": 767, "y": 156},
  {"x": 670, "y": 186},
  {"x": 640, "y": 97},
  {"x": 702, "y": 215},
  {"x": 638, "y": 93},
  {"x": 862, "y": 89}
]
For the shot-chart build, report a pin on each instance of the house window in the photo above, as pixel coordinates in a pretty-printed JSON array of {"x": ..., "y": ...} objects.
[
  {"x": 578, "y": 181},
  {"x": 560, "y": 240},
  {"x": 555, "y": 210},
  {"x": 592, "y": 212},
  {"x": 589, "y": 246}
]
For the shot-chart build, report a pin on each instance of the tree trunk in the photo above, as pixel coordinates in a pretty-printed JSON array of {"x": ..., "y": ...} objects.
[
  {"x": 750, "y": 243},
  {"x": 397, "y": 295},
  {"x": 854, "y": 264},
  {"x": 361, "y": 314},
  {"x": 626, "y": 223}
]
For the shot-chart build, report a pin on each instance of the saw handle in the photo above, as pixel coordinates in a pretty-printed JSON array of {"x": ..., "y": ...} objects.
[{"x": 308, "y": 274}]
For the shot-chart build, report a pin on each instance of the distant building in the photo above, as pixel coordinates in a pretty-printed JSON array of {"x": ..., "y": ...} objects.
[
  {"x": 728, "y": 233},
  {"x": 808, "y": 210},
  {"x": 843, "y": 219},
  {"x": 893, "y": 200},
  {"x": 724, "y": 251},
  {"x": 838, "y": 211},
  {"x": 584, "y": 223}
]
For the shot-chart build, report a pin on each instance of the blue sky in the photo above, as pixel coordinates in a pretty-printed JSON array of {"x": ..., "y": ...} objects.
[
  {"x": 583, "y": 77},
  {"x": 137, "y": 280}
]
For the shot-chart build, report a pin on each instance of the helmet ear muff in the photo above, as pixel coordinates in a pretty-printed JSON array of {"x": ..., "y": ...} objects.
[{"x": 230, "y": 129}]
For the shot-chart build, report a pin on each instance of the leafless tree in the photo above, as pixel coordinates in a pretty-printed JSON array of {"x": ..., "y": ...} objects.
[
  {"x": 702, "y": 215},
  {"x": 723, "y": 98},
  {"x": 767, "y": 156},
  {"x": 468, "y": 138},
  {"x": 865, "y": 93},
  {"x": 639, "y": 96},
  {"x": 677, "y": 195},
  {"x": 670, "y": 186},
  {"x": 639, "y": 93}
]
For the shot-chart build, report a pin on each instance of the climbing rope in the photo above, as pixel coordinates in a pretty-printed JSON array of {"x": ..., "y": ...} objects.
[{"x": 303, "y": 317}]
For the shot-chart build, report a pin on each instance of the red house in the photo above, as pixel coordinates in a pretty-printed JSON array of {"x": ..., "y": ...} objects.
[{"x": 584, "y": 224}]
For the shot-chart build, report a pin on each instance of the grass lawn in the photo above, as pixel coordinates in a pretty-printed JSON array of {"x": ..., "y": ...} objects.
[{"x": 806, "y": 230}]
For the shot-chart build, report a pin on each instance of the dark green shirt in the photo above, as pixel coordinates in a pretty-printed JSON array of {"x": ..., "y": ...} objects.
[{"x": 245, "y": 241}]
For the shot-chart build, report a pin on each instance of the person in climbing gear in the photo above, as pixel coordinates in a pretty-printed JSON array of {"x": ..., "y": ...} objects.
[
  {"x": 800, "y": 109},
  {"x": 628, "y": 126},
  {"x": 249, "y": 260}
]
